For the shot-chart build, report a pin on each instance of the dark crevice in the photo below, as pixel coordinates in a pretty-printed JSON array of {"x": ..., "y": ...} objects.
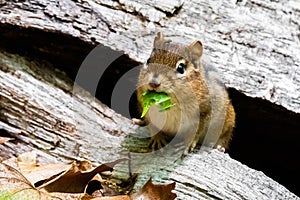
[
  {"x": 4, "y": 133},
  {"x": 109, "y": 79},
  {"x": 246, "y": 44},
  {"x": 261, "y": 5},
  {"x": 169, "y": 14},
  {"x": 266, "y": 135},
  {"x": 281, "y": 54},
  {"x": 63, "y": 51},
  {"x": 266, "y": 138},
  {"x": 16, "y": 136}
]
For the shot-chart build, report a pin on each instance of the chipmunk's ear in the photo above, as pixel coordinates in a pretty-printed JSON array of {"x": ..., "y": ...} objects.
[
  {"x": 196, "y": 49},
  {"x": 159, "y": 39}
]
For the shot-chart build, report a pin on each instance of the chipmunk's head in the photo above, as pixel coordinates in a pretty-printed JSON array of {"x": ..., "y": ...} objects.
[{"x": 170, "y": 66}]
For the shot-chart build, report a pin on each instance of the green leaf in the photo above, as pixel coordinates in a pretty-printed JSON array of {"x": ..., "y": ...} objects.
[{"x": 159, "y": 98}]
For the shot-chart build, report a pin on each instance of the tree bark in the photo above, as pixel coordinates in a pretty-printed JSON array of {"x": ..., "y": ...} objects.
[{"x": 44, "y": 111}]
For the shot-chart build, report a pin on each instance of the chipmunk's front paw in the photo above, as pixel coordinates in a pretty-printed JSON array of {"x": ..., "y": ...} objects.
[
  {"x": 139, "y": 122},
  {"x": 221, "y": 148},
  {"x": 157, "y": 142}
]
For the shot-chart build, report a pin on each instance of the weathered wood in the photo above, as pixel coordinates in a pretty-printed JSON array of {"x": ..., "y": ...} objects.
[
  {"x": 248, "y": 41},
  {"x": 40, "y": 109}
]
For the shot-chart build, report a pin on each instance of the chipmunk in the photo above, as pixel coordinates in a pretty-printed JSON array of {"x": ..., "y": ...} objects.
[{"x": 202, "y": 110}]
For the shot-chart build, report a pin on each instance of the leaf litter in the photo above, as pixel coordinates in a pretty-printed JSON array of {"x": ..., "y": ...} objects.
[{"x": 22, "y": 178}]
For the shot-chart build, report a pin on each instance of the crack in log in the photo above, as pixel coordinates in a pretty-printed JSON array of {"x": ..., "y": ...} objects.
[
  {"x": 282, "y": 54},
  {"x": 134, "y": 12},
  {"x": 55, "y": 18},
  {"x": 104, "y": 20},
  {"x": 245, "y": 44},
  {"x": 169, "y": 14},
  {"x": 9, "y": 133},
  {"x": 204, "y": 191},
  {"x": 122, "y": 7},
  {"x": 108, "y": 116},
  {"x": 261, "y": 5}
]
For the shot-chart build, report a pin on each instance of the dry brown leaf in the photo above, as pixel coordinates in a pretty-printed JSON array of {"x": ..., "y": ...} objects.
[
  {"x": 156, "y": 192},
  {"x": 75, "y": 179},
  {"x": 5, "y": 139},
  {"x": 28, "y": 166},
  {"x": 13, "y": 185},
  {"x": 40, "y": 173},
  {"x": 149, "y": 191}
]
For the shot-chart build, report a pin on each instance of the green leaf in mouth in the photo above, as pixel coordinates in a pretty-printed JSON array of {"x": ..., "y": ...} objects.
[{"x": 159, "y": 98}]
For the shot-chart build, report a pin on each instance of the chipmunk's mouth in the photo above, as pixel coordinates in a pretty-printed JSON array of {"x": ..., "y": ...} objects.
[
  {"x": 159, "y": 89},
  {"x": 161, "y": 99},
  {"x": 156, "y": 91},
  {"x": 150, "y": 89}
]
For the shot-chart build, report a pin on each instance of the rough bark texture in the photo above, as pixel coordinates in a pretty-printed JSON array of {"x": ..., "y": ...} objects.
[{"x": 40, "y": 108}]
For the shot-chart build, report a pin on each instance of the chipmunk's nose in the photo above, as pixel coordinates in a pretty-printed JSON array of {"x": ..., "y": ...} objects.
[{"x": 154, "y": 82}]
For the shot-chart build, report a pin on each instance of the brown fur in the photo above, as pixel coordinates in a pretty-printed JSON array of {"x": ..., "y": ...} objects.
[{"x": 193, "y": 94}]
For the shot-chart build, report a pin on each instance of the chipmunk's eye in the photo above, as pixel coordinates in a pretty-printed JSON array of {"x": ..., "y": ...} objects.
[
  {"x": 181, "y": 67},
  {"x": 148, "y": 61},
  {"x": 145, "y": 66}
]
